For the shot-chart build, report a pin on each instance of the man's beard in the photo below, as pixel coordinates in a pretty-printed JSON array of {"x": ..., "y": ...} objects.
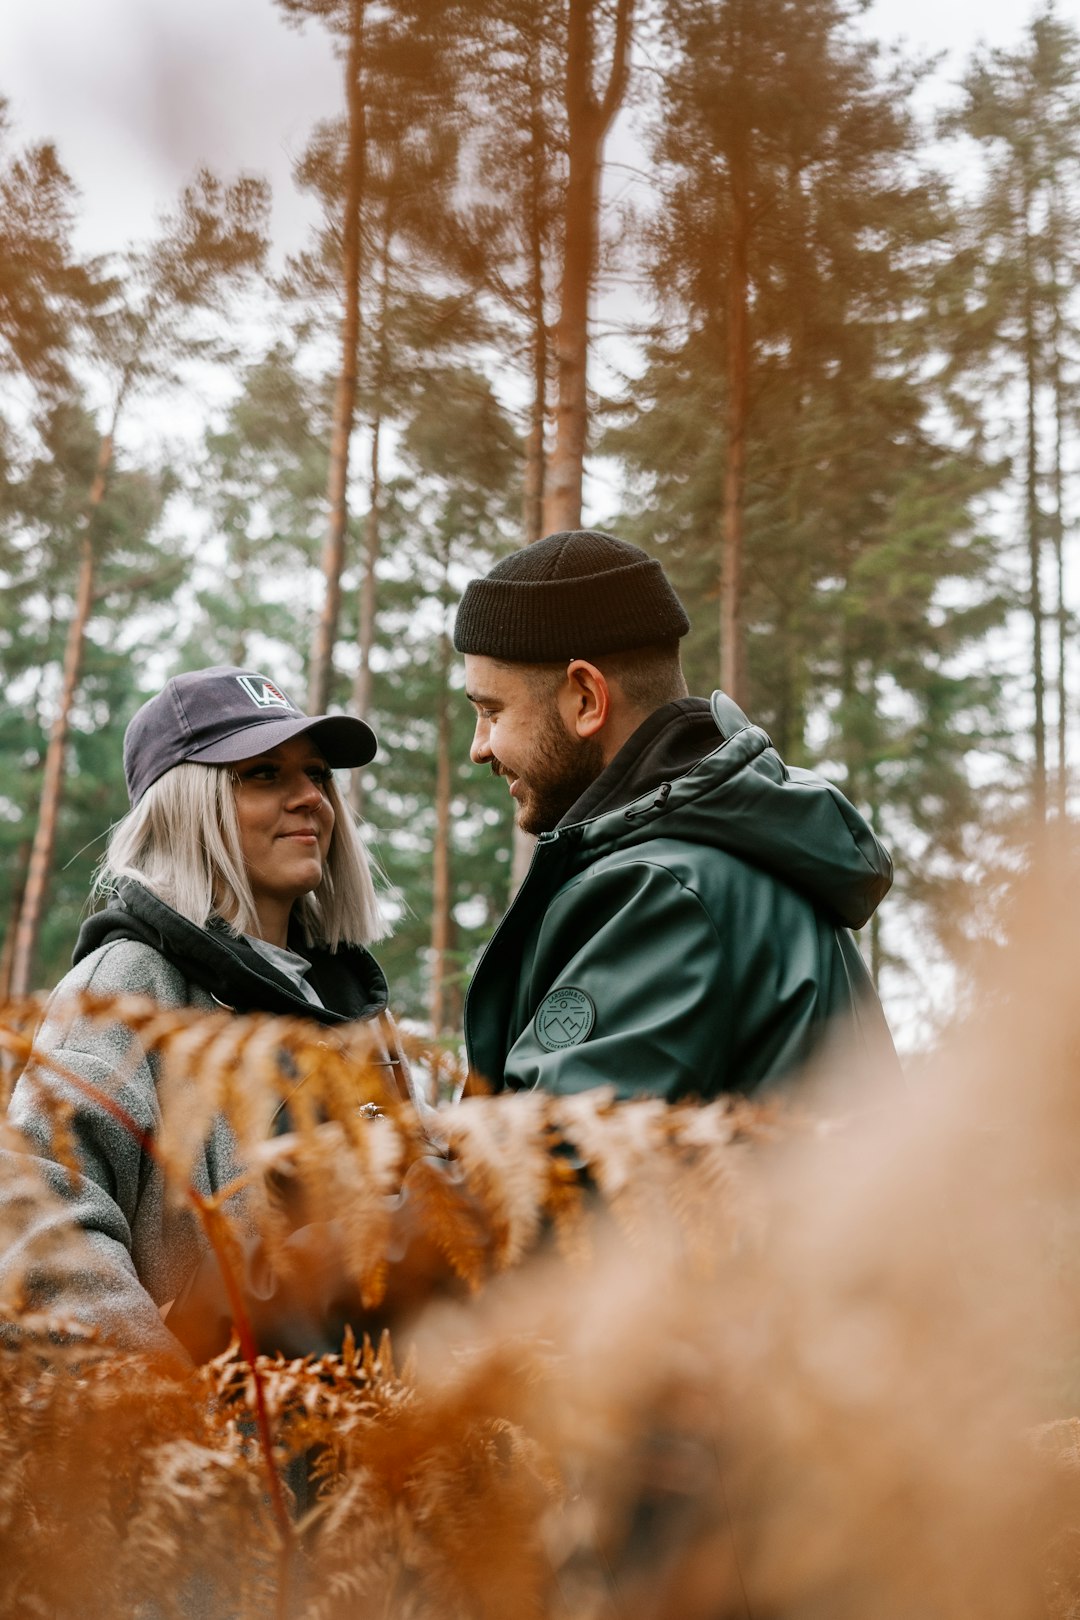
[{"x": 559, "y": 770}]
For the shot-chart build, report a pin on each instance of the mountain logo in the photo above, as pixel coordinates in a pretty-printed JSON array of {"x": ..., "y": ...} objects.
[
  {"x": 564, "y": 1018},
  {"x": 264, "y": 694}
]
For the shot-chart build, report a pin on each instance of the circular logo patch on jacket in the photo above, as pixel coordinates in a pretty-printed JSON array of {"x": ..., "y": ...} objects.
[{"x": 565, "y": 1017}]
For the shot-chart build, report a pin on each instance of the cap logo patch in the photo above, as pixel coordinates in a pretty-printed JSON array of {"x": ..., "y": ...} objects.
[
  {"x": 264, "y": 694},
  {"x": 565, "y": 1017}
]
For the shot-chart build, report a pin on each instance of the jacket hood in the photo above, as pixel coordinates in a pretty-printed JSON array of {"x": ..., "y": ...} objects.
[
  {"x": 739, "y": 797},
  {"x": 349, "y": 980}
]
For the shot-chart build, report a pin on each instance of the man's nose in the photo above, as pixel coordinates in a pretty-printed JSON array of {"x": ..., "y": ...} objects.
[{"x": 480, "y": 752}]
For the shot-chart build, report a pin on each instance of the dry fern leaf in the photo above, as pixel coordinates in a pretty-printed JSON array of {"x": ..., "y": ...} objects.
[
  {"x": 504, "y": 1154},
  {"x": 717, "y": 1203},
  {"x": 436, "y": 1213}
]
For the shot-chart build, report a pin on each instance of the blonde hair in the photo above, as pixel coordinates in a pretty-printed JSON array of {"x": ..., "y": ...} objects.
[{"x": 182, "y": 842}]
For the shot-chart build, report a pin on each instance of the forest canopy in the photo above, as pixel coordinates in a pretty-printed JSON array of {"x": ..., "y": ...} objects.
[{"x": 714, "y": 276}]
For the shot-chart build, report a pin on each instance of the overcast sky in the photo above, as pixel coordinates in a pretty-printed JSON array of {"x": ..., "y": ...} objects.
[{"x": 136, "y": 93}]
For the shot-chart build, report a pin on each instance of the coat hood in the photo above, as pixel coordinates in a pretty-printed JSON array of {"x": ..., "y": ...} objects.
[
  {"x": 739, "y": 797},
  {"x": 349, "y": 980}
]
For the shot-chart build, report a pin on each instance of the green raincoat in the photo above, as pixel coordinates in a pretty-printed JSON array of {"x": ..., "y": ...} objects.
[{"x": 691, "y": 940}]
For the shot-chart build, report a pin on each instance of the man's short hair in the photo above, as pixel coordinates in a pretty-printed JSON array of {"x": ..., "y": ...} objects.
[{"x": 648, "y": 677}]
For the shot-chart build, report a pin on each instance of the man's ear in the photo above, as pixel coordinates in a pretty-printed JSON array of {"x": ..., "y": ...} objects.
[{"x": 585, "y": 699}]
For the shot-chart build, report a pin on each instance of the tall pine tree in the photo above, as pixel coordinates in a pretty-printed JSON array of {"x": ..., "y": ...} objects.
[
  {"x": 1019, "y": 322},
  {"x": 780, "y": 438}
]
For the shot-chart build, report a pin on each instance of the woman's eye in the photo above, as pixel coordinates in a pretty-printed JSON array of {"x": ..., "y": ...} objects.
[{"x": 321, "y": 775}]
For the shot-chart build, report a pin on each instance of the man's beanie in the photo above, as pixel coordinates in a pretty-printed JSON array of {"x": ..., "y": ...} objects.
[{"x": 576, "y": 594}]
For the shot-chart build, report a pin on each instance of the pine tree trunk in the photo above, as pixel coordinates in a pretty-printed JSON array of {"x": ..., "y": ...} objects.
[
  {"x": 372, "y": 532},
  {"x": 1060, "y": 408},
  {"x": 522, "y": 844},
  {"x": 333, "y": 557},
  {"x": 731, "y": 625},
  {"x": 1033, "y": 522},
  {"x": 441, "y": 920},
  {"x": 242, "y": 555},
  {"x": 44, "y": 845},
  {"x": 453, "y": 992},
  {"x": 361, "y": 695},
  {"x": 793, "y": 590},
  {"x": 859, "y": 783},
  {"x": 562, "y": 505},
  {"x": 588, "y": 122},
  {"x": 533, "y": 492},
  {"x": 1062, "y": 797}
]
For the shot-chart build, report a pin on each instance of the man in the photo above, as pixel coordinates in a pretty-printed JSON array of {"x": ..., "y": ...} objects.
[{"x": 682, "y": 929}]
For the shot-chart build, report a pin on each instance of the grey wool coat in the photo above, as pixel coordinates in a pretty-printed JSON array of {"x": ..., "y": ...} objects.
[{"x": 140, "y": 1247}]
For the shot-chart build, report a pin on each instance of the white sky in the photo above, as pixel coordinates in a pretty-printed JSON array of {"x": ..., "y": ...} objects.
[{"x": 136, "y": 93}]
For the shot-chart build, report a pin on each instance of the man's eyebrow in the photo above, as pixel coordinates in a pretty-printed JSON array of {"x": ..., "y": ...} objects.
[{"x": 481, "y": 699}]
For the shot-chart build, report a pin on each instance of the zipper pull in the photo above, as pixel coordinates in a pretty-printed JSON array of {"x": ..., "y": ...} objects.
[{"x": 654, "y": 804}]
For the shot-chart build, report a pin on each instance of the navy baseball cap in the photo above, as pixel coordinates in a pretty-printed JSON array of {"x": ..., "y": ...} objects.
[{"x": 217, "y": 716}]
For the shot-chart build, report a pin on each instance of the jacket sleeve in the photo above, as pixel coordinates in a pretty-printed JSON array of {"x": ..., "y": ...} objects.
[
  {"x": 638, "y": 944},
  {"x": 67, "y": 1243}
]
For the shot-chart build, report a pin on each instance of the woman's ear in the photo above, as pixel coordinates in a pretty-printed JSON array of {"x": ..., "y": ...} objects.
[{"x": 587, "y": 698}]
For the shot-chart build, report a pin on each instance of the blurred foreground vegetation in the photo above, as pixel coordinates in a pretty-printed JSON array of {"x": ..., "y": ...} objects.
[{"x": 696, "y": 1361}]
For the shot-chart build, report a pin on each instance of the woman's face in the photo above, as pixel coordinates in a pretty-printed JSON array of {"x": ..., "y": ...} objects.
[{"x": 286, "y": 823}]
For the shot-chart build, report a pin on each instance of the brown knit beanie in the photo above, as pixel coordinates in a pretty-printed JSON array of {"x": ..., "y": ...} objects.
[{"x": 575, "y": 594}]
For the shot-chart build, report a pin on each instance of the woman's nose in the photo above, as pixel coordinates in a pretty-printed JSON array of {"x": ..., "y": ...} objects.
[{"x": 303, "y": 790}]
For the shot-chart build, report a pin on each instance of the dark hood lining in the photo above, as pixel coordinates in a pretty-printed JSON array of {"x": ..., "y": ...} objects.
[
  {"x": 667, "y": 745},
  {"x": 349, "y": 981}
]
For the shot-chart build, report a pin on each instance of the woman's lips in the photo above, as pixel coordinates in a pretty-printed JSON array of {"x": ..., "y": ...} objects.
[{"x": 304, "y": 836}]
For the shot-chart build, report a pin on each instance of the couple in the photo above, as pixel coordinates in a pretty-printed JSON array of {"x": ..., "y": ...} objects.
[{"x": 682, "y": 929}]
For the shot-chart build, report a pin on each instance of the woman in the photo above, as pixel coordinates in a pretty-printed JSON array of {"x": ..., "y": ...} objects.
[{"x": 238, "y": 879}]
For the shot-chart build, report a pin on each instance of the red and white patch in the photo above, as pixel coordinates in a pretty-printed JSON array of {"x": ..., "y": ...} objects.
[{"x": 264, "y": 694}]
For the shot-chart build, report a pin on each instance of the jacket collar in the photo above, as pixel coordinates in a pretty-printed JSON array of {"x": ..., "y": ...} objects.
[
  {"x": 349, "y": 980},
  {"x": 668, "y": 744}
]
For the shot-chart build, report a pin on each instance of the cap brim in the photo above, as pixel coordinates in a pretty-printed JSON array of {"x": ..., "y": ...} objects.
[{"x": 342, "y": 740}]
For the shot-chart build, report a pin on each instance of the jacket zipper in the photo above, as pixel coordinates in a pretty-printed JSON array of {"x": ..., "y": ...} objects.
[
  {"x": 656, "y": 803},
  {"x": 545, "y": 840}
]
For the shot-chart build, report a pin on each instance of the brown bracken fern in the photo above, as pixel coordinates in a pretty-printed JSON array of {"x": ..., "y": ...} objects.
[{"x": 712, "y": 1362}]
